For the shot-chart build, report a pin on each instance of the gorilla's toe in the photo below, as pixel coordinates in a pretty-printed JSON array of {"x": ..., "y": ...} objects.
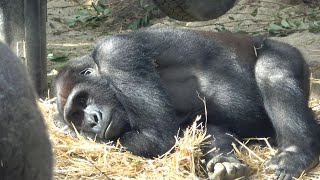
[{"x": 227, "y": 168}]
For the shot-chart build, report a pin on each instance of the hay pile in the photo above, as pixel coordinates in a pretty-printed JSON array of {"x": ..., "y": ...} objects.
[{"x": 80, "y": 158}]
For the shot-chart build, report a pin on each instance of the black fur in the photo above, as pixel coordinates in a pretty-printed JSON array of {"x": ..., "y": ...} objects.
[
  {"x": 25, "y": 150},
  {"x": 147, "y": 83}
]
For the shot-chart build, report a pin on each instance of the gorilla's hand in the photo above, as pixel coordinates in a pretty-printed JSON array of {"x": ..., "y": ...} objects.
[
  {"x": 226, "y": 167},
  {"x": 291, "y": 163}
]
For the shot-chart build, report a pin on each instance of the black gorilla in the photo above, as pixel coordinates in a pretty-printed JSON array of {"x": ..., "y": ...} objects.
[
  {"x": 25, "y": 150},
  {"x": 142, "y": 86},
  {"x": 194, "y": 10}
]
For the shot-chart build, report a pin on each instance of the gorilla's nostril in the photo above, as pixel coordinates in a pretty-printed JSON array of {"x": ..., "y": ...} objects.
[
  {"x": 92, "y": 125},
  {"x": 96, "y": 118}
]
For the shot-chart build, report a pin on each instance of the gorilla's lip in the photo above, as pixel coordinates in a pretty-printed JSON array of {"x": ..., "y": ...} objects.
[
  {"x": 107, "y": 125},
  {"x": 107, "y": 130}
]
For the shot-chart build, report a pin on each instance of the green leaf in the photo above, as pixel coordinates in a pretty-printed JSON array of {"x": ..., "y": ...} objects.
[
  {"x": 97, "y": 7},
  {"x": 84, "y": 12},
  {"x": 101, "y": 1},
  {"x": 91, "y": 19},
  {"x": 101, "y": 4},
  {"x": 231, "y": 18},
  {"x": 59, "y": 59},
  {"x": 254, "y": 12},
  {"x": 134, "y": 25},
  {"x": 145, "y": 20},
  {"x": 56, "y": 57},
  {"x": 317, "y": 23},
  {"x": 292, "y": 24},
  {"x": 50, "y": 55},
  {"x": 315, "y": 29},
  {"x": 275, "y": 27},
  {"x": 298, "y": 23},
  {"x": 106, "y": 12},
  {"x": 70, "y": 21},
  {"x": 284, "y": 23},
  {"x": 142, "y": 22}
]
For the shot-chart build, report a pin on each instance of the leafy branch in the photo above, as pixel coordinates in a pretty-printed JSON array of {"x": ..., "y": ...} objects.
[{"x": 87, "y": 17}]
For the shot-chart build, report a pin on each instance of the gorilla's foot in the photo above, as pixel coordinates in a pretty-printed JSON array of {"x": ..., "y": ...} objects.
[
  {"x": 291, "y": 163},
  {"x": 226, "y": 168}
]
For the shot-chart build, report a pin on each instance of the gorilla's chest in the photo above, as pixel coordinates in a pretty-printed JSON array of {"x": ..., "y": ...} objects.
[{"x": 182, "y": 87}]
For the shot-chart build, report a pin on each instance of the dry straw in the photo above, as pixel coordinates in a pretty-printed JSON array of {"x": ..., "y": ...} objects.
[{"x": 80, "y": 158}]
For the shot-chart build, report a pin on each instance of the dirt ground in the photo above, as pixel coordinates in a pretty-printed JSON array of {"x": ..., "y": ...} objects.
[{"x": 73, "y": 42}]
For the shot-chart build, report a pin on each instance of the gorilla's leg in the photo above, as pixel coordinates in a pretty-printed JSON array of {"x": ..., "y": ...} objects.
[
  {"x": 219, "y": 157},
  {"x": 282, "y": 77}
]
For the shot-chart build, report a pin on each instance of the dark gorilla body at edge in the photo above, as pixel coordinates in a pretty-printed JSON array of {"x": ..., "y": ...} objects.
[
  {"x": 25, "y": 149},
  {"x": 142, "y": 86}
]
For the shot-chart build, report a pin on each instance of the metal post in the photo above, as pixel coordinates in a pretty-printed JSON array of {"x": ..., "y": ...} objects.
[
  {"x": 23, "y": 29},
  {"x": 12, "y": 25},
  {"x": 35, "y": 42}
]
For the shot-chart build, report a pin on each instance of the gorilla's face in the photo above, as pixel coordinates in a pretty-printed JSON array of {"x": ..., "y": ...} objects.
[{"x": 87, "y": 101}]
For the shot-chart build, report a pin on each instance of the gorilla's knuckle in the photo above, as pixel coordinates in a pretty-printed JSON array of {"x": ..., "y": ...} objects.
[
  {"x": 111, "y": 44},
  {"x": 115, "y": 49},
  {"x": 264, "y": 67},
  {"x": 115, "y": 43},
  {"x": 268, "y": 72}
]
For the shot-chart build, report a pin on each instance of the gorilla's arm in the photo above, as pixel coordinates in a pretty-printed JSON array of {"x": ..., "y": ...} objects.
[
  {"x": 129, "y": 62},
  {"x": 137, "y": 86}
]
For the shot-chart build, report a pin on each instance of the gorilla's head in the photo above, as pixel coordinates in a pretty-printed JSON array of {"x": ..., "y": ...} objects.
[{"x": 86, "y": 100}]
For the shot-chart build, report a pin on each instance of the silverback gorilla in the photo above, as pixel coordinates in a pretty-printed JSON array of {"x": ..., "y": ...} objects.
[
  {"x": 142, "y": 86},
  {"x": 25, "y": 150}
]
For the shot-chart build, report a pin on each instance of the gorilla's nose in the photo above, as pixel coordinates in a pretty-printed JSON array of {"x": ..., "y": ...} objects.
[{"x": 92, "y": 120}]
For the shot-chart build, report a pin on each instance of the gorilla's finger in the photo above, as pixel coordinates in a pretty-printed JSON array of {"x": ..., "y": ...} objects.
[
  {"x": 219, "y": 172},
  {"x": 230, "y": 170}
]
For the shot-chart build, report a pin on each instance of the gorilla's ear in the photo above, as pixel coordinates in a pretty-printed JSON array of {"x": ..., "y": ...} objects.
[{"x": 63, "y": 86}]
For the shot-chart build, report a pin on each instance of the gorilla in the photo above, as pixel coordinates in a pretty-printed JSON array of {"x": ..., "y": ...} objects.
[
  {"x": 194, "y": 10},
  {"x": 204, "y": 10},
  {"x": 25, "y": 150},
  {"x": 143, "y": 86}
]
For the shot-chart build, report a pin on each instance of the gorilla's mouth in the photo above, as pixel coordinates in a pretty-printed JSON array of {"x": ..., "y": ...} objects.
[
  {"x": 107, "y": 130},
  {"x": 116, "y": 124},
  {"x": 108, "y": 125}
]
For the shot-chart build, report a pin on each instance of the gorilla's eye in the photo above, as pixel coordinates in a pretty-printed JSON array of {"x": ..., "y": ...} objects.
[{"x": 86, "y": 72}]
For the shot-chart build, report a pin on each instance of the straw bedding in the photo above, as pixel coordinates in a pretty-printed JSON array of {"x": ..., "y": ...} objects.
[{"x": 82, "y": 158}]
